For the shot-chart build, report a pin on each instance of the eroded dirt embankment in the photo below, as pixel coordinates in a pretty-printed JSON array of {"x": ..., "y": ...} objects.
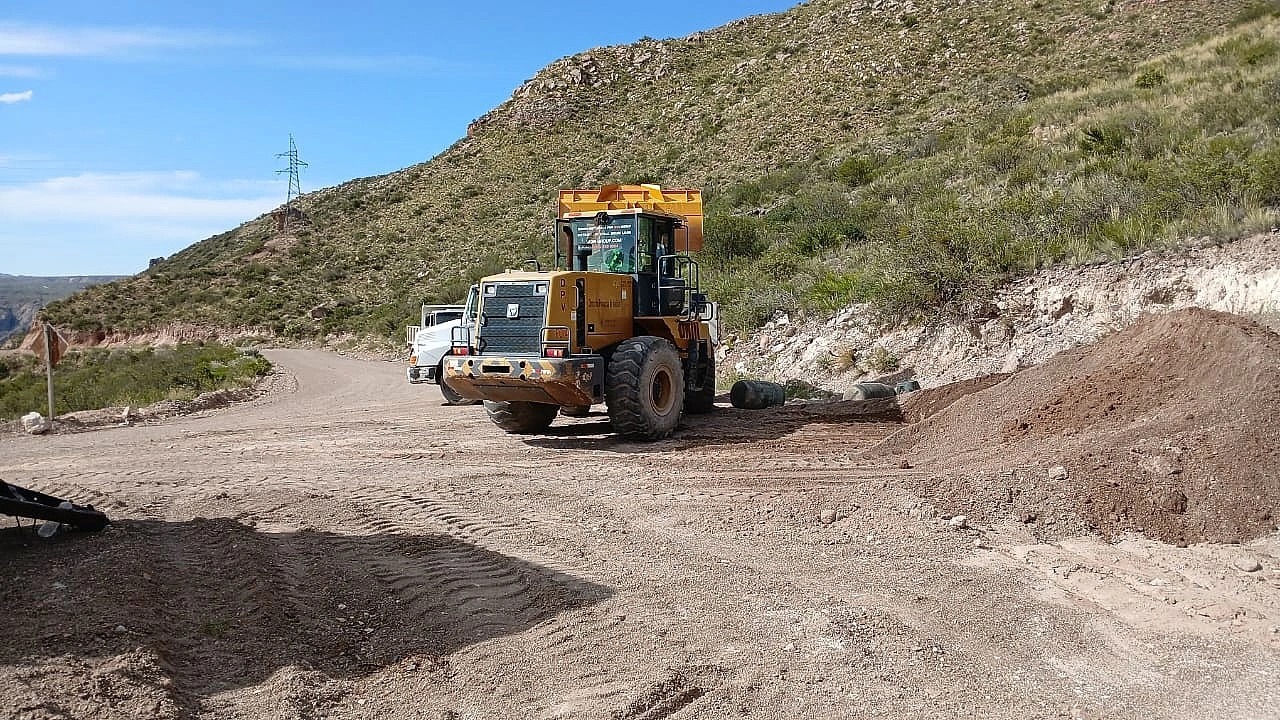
[{"x": 1170, "y": 428}]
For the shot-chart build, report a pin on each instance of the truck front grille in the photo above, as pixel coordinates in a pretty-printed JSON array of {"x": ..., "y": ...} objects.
[{"x": 500, "y": 333}]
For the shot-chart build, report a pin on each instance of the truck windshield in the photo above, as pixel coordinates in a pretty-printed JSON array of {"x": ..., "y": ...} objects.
[{"x": 612, "y": 246}]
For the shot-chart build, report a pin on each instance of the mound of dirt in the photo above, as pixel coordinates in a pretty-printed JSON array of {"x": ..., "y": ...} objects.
[
  {"x": 929, "y": 402},
  {"x": 1170, "y": 428}
]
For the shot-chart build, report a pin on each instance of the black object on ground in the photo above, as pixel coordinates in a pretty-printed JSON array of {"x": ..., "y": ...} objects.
[
  {"x": 21, "y": 502},
  {"x": 756, "y": 394}
]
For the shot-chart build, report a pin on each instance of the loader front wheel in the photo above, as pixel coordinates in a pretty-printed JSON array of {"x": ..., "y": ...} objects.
[
  {"x": 451, "y": 397},
  {"x": 521, "y": 418},
  {"x": 644, "y": 387}
]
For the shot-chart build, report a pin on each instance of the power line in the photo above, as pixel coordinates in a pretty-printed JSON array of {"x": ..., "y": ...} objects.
[{"x": 295, "y": 185}]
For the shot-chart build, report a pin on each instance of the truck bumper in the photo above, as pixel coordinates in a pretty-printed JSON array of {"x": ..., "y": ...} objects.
[
  {"x": 422, "y": 374},
  {"x": 568, "y": 381}
]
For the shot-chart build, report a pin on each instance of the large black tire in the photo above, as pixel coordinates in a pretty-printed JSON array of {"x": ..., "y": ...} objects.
[
  {"x": 521, "y": 417},
  {"x": 703, "y": 401},
  {"x": 644, "y": 387},
  {"x": 575, "y": 410},
  {"x": 451, "y": 397}
]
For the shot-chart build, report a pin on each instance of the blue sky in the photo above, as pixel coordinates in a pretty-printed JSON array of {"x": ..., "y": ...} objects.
[{"x": 131, "y": 130}]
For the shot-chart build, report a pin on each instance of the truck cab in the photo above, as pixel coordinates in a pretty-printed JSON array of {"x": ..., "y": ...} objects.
[{"x": 430, "y": 340}]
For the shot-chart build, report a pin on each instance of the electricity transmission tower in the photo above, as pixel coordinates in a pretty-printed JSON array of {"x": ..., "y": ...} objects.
[{"x": 295, "y": 185}]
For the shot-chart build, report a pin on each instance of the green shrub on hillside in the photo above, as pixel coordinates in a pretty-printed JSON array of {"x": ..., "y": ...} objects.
[
  {"x": 97, "y": 378},
  {"x": 1072, "y": 176}
]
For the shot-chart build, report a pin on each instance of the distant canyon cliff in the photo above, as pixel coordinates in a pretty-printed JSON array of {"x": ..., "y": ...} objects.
[{"x": 21, "y": 297}]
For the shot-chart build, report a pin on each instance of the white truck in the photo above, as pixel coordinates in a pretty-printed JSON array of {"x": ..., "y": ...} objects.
[{"x": 430, "y": 340}]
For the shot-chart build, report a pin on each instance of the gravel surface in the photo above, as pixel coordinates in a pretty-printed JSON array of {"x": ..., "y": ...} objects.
[{"x": 346, "y": 547}]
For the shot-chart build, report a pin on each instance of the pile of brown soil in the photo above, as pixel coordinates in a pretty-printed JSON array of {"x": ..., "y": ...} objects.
[{"x": 1170, "y": 428}]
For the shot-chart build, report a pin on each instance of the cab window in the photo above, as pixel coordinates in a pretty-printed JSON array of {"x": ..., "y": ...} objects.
[{"x": 609, "y": 240}]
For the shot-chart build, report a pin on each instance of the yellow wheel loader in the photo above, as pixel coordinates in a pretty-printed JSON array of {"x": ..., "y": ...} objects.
[{"x": 620, "y": 320}]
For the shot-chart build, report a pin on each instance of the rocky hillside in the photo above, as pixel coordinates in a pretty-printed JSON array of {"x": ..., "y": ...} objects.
[
  {"x": 1024, "y": 324},
  {"x": 21, "y": 297},
  {"x": 828, "y": 100}
]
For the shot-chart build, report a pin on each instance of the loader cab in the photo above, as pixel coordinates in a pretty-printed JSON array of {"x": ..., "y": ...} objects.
[{"x": 633, "y": 243}]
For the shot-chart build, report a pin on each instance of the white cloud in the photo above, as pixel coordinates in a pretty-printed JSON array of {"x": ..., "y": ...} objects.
[
  {"x": 40, "y": 40},
  {"x": 15, "y": 97},
  {"x": 138, "y": 196},
  {"x": 111, "y": 223},
  {"x": 20, "y": 71}
]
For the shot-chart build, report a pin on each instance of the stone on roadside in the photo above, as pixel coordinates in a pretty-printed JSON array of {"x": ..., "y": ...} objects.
[
  {"x": 33, "y": 423},
  {"x": 1247, "y": 563},
  {"x": 1160, "y": 465},
  {"x": 1172, "y": 500}
]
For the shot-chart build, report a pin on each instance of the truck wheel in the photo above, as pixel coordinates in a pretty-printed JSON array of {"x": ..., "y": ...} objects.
[
  {"x": 451, "y": 397},
  {"x": 704, "y": 400},
  {"x": 575, "y": 410},
  {"x": 521, "y": 417},
  {"x": 644, "y": 387}
]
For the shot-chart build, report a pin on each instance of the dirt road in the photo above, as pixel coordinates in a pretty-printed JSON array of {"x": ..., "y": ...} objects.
[{"x": 347, "y": 547}]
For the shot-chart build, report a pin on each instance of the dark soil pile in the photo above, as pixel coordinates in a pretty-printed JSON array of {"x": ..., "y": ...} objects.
[{"x": 1170, "y": 428}]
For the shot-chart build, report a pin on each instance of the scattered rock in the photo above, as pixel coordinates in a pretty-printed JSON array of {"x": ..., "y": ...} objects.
[
  {"x": 828, "y": 516},
  {"x": 1172, "y": 500},
  {"x": 1026, "y": 518},
  {"x": 959, "y": 522},
  {"x": 1058, "y": 473},
  {"x": 1160, "y": 465},
  {"x": 33, "y": 423},
  {"x": 1247, "y": 563},
  {"x": 121, "y": 629},
  {"x": 904, "y": 464}
]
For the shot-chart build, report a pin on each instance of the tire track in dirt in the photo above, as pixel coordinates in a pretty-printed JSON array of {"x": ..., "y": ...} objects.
[
  {"x": 448, "y": 570},
  {"x": 483, "y": 591}
]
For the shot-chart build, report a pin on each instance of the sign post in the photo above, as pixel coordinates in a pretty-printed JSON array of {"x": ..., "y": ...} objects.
[
  {"x": 54, "y": 347},
  {"x": 48, "y": 364}
]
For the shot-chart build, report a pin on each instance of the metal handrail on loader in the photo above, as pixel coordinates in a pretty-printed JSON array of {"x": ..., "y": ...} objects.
[{"x": 690, "y": 285}]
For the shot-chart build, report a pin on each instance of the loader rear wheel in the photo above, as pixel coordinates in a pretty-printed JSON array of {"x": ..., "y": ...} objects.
[
  {"x": 644, "y": 387},
  {"x": 521, "y": 417},
  {"x": 703, "y": 401},
  {"x": 451, "y": 397}
]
